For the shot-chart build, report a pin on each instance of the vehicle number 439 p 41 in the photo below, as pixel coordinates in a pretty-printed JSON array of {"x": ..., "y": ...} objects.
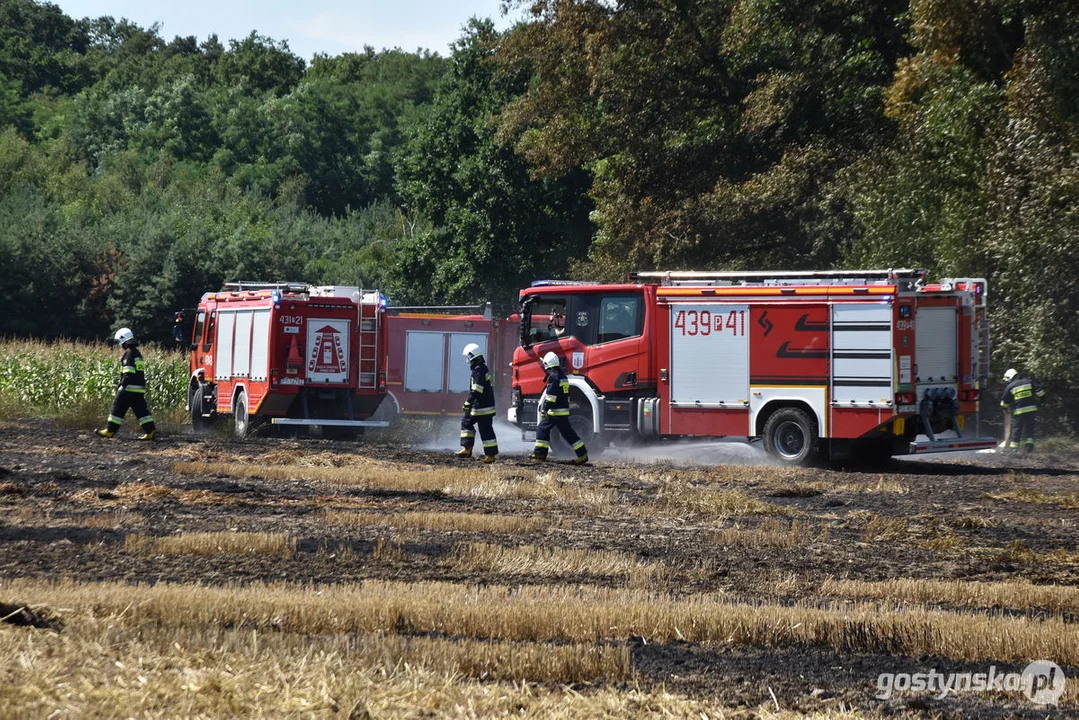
[{"x": 705, "y": 322}]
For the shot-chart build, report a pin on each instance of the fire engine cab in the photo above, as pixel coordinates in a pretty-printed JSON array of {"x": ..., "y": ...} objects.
[
  {"x": 286, "y": 353},
  {"x": 871, "y": 363}
]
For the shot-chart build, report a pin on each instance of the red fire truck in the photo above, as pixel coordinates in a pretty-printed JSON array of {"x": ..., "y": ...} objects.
[
  {"x": 869, "y": 363},
  {"x": 289, "y": 354},
  {"x": 428, "y": 374}
]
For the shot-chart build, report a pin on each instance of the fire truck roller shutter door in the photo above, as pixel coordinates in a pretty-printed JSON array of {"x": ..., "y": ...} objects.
[
  {"x": 241, "y": 346},
  {"x": 425, "y": 360},
  {"x": 862, "y": 355},
  {"x": 709, "y": 355},
  {"x": 260, "y": 345},
  {"x": 226, "y": 323}
]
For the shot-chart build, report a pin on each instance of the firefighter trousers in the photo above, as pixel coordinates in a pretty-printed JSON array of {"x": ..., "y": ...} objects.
[
  {"x": 486, "y": 425},
  {"x": 561, "y": 423},
  {"x": 1023, "y": 430},
  {"x": 130, "y": 401}
]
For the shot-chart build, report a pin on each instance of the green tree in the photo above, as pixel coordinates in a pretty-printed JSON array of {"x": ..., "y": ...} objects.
[
  {"x": 715, "y": 131},
  {"x": 40, "y": 47},
  {"x": 496, "y": 228}
]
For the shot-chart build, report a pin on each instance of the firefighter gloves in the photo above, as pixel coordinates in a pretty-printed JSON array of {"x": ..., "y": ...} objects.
[{"x": 467, "y": 407}]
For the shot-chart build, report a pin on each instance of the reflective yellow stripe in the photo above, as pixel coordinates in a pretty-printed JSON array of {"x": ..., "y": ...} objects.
[
  {"x": 558, "y": 413},
  {"x": 1023, "y": 411}
]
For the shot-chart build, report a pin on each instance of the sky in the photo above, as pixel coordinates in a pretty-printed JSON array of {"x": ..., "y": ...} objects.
[{"x": 315, "y": 26}]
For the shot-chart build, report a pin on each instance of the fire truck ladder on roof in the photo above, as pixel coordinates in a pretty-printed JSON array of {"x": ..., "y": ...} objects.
[
  {"x": 369, "y": 328},
  {"x": 280, "y": 286},
  {"x": 889, "y": 276}
]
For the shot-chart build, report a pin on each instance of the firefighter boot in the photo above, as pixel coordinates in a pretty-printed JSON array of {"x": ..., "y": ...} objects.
[
  {"x": 104, "y": 432},
  {"x": 148, "y": 435},
  {"x": 488, "y": 459},
  {"x": 541, "y": 457},
  {"x": 463, "y": 453}
]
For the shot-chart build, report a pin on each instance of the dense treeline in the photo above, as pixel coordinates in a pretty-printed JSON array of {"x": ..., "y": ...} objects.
[{"x": 594, "y": 138}]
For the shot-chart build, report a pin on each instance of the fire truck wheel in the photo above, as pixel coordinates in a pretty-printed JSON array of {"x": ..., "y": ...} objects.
[
  {"x": 199, "y": 423},
  {"x": 239, "y": 414},
  {"x": 790, "y": 436}
]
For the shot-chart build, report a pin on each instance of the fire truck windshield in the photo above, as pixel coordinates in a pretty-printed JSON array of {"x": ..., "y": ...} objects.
[{"x": 591, "y": 318}]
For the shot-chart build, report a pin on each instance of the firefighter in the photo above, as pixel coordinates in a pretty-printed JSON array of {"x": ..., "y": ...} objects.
[
  {"x": 1021, "y": 398},
  {"x": 132, "y": 391},
  {"x": 479, "y": 408},
  {"x": 554, "y": 413}
]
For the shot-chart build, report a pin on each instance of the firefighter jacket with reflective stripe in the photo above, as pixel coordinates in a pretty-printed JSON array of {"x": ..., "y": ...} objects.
[
  {"x": 1022, "y": 396},
  {"x": 481, "y": 396},
  {"x": 556, "y": 396},
  {"x": 132, "y": 370}
]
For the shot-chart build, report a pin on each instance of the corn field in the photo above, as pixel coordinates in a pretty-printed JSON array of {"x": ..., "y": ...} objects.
[{"x": 53, "y": 378}]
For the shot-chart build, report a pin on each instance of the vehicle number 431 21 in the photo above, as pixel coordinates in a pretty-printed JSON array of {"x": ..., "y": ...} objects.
[{"x": 704, "y": 322}]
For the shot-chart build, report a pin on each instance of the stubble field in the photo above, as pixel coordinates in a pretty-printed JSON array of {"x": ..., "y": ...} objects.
[{"x": 207, "y": 577}]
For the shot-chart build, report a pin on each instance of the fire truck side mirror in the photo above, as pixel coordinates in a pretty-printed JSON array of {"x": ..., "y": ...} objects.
[{"x": 526, "y": 323}]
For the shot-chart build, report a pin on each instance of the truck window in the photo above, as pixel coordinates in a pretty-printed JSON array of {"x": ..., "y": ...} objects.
[
  {"x": 547, "y": 320},
  {"x": 196, "y": 335},
  {"x": 620, "y": 317},
  {"x": 208, "y": 341}
]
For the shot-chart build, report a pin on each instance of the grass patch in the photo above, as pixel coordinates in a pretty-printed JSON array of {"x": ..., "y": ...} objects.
[
  {"x": 774, "y": 532},
  {"x": 882, "y": 529},
  {"x": 487, "y": 483},
  {"x": 1016, "y": 595},
  {"x": 1068, "y": 501},
  {"x": 577, "y": 614},
  {"x": 439, "y": 521},
  {"x": 138, "y": 492},
  {"x": 551, "y": 562},
  {"x": 868, "y": 488},
  {"x": 105, "y": 661},
  {"x": 710, "y": 501},
  {"x": 212, "y": 543}
]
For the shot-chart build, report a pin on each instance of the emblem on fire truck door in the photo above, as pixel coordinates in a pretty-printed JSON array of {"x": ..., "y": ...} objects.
[
  {"x": 578, "y": 360},
  {"x": 327, "y": 353}
]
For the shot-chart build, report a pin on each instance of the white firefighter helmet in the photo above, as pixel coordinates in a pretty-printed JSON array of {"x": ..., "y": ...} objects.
[
  {"x": 124, "y": 336},
  {"x": 472, "y": 351},
  {"x": 551, "y": 361},
  {"x": 1012, "y": 372}
]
